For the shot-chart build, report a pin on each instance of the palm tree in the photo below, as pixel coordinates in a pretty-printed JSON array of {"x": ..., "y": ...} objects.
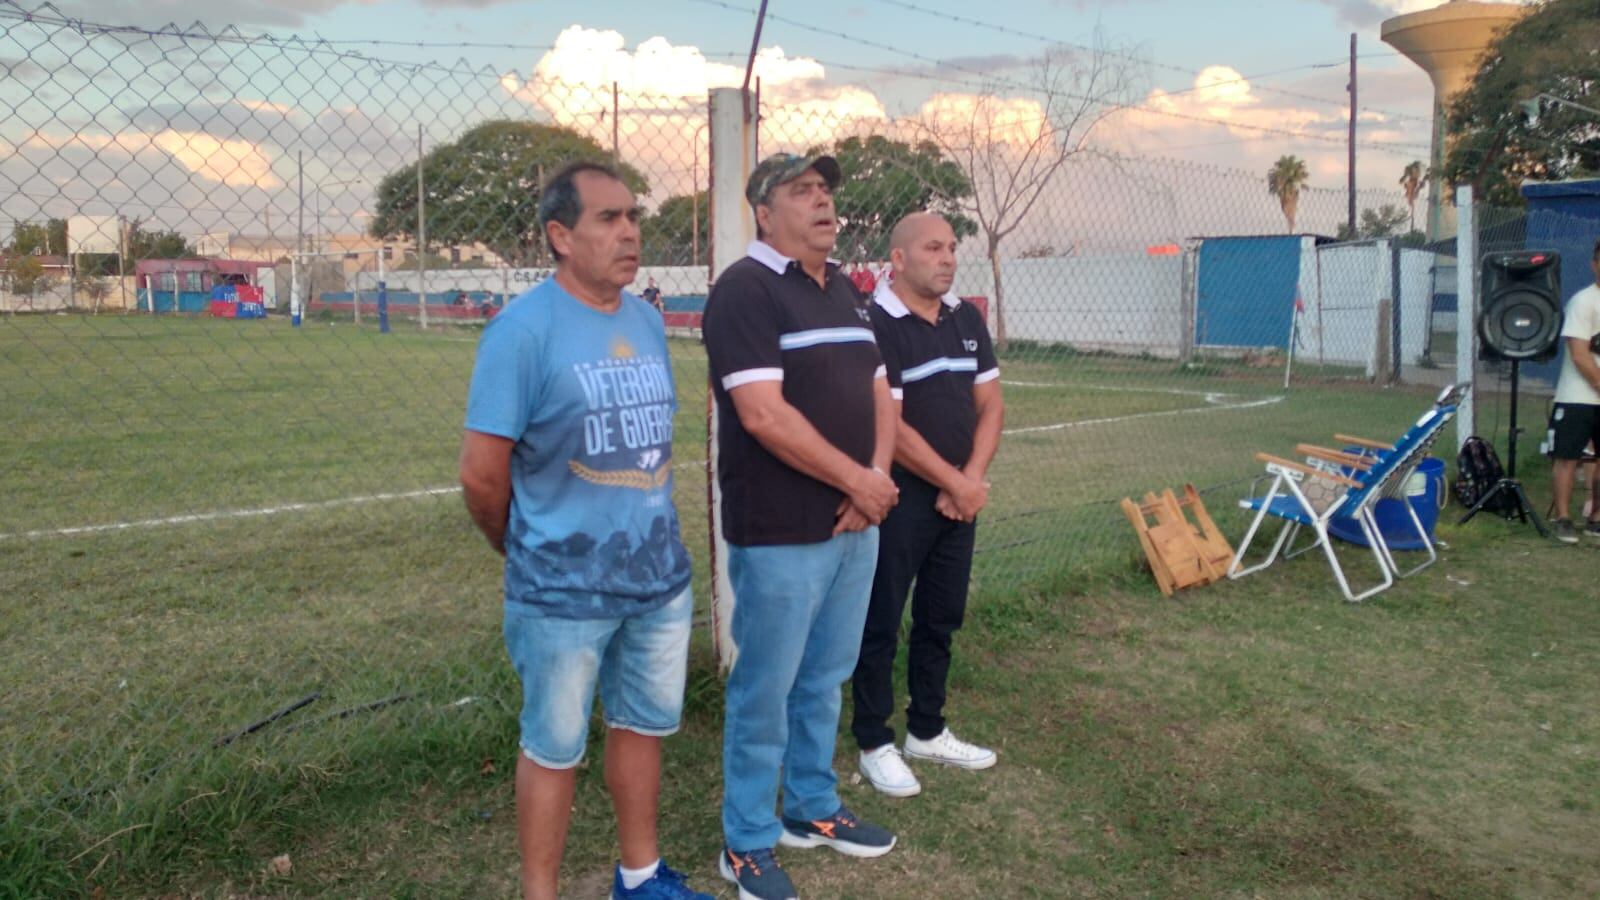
[
  {"x": 1411, "y": 183},
  {"x": 1284, "y": 181}
]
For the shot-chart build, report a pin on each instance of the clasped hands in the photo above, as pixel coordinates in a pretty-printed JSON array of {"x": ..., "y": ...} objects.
[{"x": 874, "y": 493}]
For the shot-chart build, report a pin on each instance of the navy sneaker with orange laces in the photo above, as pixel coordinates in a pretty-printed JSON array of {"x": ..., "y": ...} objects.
[
  {"x": 842, "y": 831},
  {"x": 757, "y": 874}
]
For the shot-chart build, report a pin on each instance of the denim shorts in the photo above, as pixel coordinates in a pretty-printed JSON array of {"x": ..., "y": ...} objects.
[{"x": 640, "y": 663}]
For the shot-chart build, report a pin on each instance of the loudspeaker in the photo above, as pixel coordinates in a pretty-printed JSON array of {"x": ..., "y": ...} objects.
[{"x": 1521, "y": 311}]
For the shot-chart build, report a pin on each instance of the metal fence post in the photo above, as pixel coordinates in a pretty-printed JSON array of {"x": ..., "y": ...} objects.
[
  {"x": 422, "y": 241},
  {"x": 1466, "y": 312},
  {"x": 383, "y": 295}
]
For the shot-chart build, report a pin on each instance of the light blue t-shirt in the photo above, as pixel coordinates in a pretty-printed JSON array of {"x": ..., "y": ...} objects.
[{"x": 588, "y": 397}]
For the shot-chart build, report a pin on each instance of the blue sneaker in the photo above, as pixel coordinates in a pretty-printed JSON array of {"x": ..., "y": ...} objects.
[
  {"x": 757, "y": 874},
  {"x": 665, "y": 884},
  {"x": 842, "y": 831}
]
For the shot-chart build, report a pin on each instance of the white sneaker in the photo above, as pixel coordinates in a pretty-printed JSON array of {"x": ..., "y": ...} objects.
[
  {"x": 952, "y": 751},
  {"x": 887, "y": 772}
]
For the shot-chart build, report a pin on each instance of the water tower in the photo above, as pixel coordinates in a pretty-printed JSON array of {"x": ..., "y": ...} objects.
[{"x": 1448, "y": 43}]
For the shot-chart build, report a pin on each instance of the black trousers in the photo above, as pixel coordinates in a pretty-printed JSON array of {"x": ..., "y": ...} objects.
[{"x": 916, "y": 544}]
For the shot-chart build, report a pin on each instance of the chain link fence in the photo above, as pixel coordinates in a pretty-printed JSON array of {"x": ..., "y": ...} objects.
[
  {"x": 243, "y": 280},
  {"x": 1540, "y": 226}
]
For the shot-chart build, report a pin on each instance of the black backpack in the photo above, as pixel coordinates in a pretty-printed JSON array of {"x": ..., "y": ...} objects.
[{"x": 1477, "y": 470}]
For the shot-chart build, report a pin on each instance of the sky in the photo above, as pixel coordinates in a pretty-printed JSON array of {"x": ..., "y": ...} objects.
[{"x": 1211, "y": 83}]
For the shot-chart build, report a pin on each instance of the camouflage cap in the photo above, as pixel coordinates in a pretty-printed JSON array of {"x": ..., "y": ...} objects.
[{"x": 783, "y": 167}]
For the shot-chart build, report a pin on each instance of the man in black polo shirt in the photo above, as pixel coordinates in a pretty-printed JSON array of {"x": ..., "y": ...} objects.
[
  {"x": 946, "y": 385},
  {"x": 806, "y": 434}
]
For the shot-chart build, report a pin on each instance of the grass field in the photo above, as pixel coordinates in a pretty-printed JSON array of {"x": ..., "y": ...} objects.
[{"x": 1259, "y": 738}]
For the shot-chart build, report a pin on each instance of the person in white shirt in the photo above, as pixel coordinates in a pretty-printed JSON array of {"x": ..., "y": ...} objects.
[{"x": 1575, "y": 420}]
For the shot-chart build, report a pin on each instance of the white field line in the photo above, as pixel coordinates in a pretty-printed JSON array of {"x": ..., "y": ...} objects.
[
  {"x": 1215, "y": 401},
  {"x": 1120, "y": 388},
  {"x": 224, "y": 514}
]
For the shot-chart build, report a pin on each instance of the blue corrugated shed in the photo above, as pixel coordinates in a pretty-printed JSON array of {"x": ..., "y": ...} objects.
[{"x": 1246, "y": 287}]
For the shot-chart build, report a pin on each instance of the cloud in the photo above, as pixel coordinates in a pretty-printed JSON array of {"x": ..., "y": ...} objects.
[
  {"x": 1013, "y": 120},
  {"x": 20, "y": 68},
  {"x": 1368, "y": 13},
  {"x": 1220, "y": 103},
  {"x": 264, "y": 106},
  {"x": 217, "y": 13},
  {"x": 661, "y": 91},
  {"x": 230, "y": 162},
  {"x": 592, "y": 59}
]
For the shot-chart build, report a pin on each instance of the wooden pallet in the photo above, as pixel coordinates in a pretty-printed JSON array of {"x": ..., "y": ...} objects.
[{"x": 1181, "y": 554}]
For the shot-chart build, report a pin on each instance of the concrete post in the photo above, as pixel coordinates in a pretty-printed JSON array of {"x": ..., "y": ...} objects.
[
  {"x": 733, "y": 150},
  {"x": 733, "y": 227}
]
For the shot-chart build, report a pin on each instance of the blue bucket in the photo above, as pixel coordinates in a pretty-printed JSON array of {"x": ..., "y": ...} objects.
[{"x": 1425, "y": 493}]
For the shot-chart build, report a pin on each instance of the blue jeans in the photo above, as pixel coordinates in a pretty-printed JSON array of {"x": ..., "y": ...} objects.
[
  {"x": 639, "y": 662},
  {"x": 797, "y": 623}
]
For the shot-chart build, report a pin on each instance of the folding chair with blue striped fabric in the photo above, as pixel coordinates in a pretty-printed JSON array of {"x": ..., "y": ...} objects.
[
  {"x": 1367, "y": 452},
  {"x": 1310, "y": 496}
]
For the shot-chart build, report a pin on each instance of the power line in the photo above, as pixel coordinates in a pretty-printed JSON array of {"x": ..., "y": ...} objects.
[
  {"x": 47, "y": 14},
  {"x": 1377, "y": 145},
  {"x": 1005, "y": 29}
]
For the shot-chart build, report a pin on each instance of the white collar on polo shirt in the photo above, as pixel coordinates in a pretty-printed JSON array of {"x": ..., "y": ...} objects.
[
  {"x": 884, "y": 296},
  {"x": 764, "y": 253}
]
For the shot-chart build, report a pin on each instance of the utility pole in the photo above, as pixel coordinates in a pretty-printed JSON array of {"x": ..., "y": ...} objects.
[
  {"x": 1351, "y": 188},
  {"x": 616, "y": 147}
]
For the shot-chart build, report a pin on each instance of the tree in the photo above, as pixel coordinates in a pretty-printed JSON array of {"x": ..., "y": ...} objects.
[
  {"x": 92, "y": 286},
  {"x": 26, "y": 275},
  {"x": 1382, "y": 222},
  {"x": 1411, "y": 181},
  {"x": 144, "y": 244},
  {"x": 884, "y": 181},
  {"x": 49, "y": 239},
  {"x": 669, "y": 236},
  {"x": 1284, "y": 181},
  {"x": 1011, "y": 149},
  {"x": 483, "y": 187},
  {"x": 1494, "y": 145},
  {"x": 1038, "y": 251}
]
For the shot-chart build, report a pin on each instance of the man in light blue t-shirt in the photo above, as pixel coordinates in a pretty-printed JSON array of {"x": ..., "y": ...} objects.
[{"x": 567, "y": 469}]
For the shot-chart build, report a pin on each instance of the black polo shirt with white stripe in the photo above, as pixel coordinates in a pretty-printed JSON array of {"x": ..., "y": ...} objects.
[
  {"x": 932, "y": 368},
  {"x": 767, "y": 320}
]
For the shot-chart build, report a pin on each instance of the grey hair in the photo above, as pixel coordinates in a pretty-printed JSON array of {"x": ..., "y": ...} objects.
[{"x": 559, "y": 200}]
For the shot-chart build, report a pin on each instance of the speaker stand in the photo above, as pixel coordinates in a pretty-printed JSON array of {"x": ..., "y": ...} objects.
[{"x": 1509, "y": 485}]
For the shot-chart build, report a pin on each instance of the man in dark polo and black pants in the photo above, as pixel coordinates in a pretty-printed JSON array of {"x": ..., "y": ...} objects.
[
  {"x": 805, "y": 436},
  {"x": 946, "y": 386}
]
